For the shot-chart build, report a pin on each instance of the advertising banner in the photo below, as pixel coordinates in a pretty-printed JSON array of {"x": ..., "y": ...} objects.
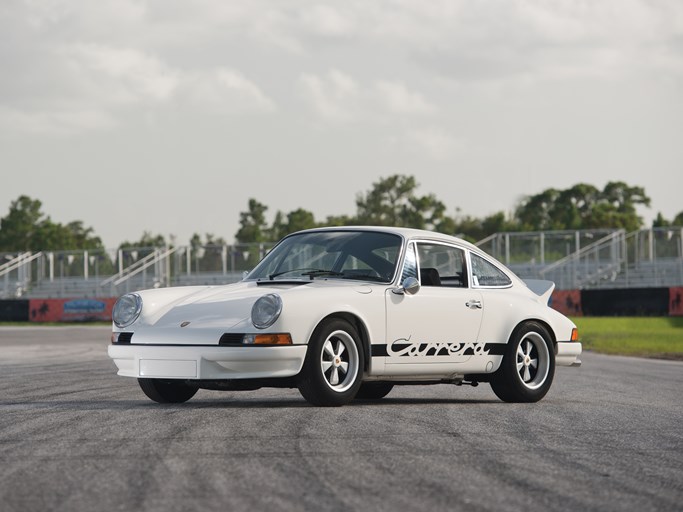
[
  {"x": 676, "y": 301},
  {"x": 71, "y": 310},
  {"x": 567, "y": 302}
]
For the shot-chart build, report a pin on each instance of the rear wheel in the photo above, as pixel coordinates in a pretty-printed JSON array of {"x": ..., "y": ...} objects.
[
  {"x": 333, "y": 367},
  {"x": 528, "y": 366},
  {"x": 374, "y": 390},
  {"x": 167, "y": 391}
]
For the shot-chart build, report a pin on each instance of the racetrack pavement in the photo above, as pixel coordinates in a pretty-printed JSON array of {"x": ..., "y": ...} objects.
[{"x": 76, "y": 437}]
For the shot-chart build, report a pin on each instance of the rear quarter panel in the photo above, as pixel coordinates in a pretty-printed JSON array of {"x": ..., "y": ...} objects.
[{"x": 505, "y": 309}]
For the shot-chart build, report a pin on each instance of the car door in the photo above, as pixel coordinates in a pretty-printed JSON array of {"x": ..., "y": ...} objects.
[{"x": 435, "y": 331}]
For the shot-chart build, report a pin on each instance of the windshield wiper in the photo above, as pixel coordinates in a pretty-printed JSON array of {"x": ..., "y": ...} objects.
[
  {"x": 311, "y": 272},
  {"x": 319, "y": 273},
  {"x": 365, "y": 277}
]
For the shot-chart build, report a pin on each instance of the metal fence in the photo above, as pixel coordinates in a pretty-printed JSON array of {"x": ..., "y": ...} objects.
[
  {"x": 572, "y": 259},
  {"x": 109, "y": 273},
  {"x": 594, "y": 258}
]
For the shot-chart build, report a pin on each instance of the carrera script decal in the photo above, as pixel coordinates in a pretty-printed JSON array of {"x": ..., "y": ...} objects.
[{"x": 403, "y": 347}]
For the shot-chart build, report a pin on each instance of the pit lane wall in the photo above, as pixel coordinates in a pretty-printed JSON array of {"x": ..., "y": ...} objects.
[
  {"x": 620, "y": 302},
  {"x": 57, "y": 310},
  {"x": 615, "y": 302}
]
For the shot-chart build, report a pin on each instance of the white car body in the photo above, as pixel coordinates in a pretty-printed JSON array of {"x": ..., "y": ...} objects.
[{"x": 438, "y": 334}]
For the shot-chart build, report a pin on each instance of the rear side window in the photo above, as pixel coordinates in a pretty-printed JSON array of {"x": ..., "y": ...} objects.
[{"x": 486, "y": 274}]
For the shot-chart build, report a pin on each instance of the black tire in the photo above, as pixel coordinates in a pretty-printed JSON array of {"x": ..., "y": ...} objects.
[
  {"x": 167, "y": 391},
  {"x": 374, "y": 390},
  {"x": 333, "y": 368},
  {"x": 528, "y": 366}
]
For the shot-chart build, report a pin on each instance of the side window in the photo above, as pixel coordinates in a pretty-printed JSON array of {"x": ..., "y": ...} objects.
[
  {"x": 441, "y": 265},
  {"x": 485, "y": 274},
  {"x": 410, "y": 265}
]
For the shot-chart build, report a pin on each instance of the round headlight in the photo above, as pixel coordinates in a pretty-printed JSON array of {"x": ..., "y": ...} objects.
[
  {"x": 266, "y": 310},
  {"x": 127, "y": 309}
]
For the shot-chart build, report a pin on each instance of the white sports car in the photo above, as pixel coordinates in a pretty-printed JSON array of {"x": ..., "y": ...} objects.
[{"x": 344, "y": 313}]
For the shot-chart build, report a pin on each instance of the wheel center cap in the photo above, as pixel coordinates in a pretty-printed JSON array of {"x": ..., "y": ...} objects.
[
  {"x": 527, "y": 361},
  {"x": 337, "y": 361}
]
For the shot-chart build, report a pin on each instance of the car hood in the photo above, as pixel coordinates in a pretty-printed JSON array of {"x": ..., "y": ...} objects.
[{"x": 222, "y": 307}]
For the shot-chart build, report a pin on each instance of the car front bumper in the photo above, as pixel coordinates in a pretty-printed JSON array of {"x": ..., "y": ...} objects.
[
  {"x": 207, "y": 362},
  {"x": 568, "y": 353}
]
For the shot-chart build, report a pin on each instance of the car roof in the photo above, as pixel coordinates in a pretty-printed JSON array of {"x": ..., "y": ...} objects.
[{"x": 407, "y": 233}]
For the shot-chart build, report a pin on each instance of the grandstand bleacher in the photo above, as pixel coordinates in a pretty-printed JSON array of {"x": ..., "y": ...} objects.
[{"x": 582, "y": 259}]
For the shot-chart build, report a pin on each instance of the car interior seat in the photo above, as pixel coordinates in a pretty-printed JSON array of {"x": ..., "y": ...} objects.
[{"x": 430, "y": 277}]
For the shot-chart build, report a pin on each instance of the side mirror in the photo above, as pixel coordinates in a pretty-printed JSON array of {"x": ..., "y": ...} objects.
[{"x": 409, "y": 287}]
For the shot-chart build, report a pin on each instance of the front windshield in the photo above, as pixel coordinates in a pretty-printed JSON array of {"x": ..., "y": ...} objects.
[{"x": 358, "y": 255}]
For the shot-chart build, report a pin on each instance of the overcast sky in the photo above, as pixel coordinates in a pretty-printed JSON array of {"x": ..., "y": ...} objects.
[{"x": 168, "y": 115}]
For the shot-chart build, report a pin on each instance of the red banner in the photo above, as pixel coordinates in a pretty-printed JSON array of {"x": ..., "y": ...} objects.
[
  {"x": 676, "y": 301},
  {"x": 567, "y": 302},
  {"x": 70, "y": 310}
]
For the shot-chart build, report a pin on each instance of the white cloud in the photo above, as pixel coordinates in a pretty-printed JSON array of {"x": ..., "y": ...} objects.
[
  {"x": 273, "y": 28},
  {"x": 92, "y": 84},
  {"x": 103, "y": 16},
  {"x": 397, "y": 98},
  {"x": 338, "y": 97},
  {"x": 335, "y": 97},
  {"x": 225, "y": 90},
  {"x": 235, "y": 82},
  {"x": 54, "y": 122},
  {"x": 327, "y": 21},
  {"x": 433, "y": 143},
  {"x": 123, "y": 73}
]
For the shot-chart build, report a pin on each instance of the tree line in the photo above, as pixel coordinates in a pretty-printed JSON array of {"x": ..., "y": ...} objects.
[
  {"x": 395, "y": 201},
  {"x": 391, "y": 201}
]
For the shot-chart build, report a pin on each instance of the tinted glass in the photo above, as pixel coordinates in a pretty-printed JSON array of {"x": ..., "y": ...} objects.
[
  {"x": 486, "y": 274},
  {"x": 360, "y": 255}
]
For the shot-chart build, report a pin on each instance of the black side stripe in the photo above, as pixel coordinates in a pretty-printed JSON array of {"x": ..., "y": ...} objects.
[
  {"x": 495, "y": 349},
  {"x": 379, "y": 350}
]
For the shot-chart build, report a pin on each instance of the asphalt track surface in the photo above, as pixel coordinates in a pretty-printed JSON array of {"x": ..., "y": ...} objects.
[{"x": 75, "y": 437}]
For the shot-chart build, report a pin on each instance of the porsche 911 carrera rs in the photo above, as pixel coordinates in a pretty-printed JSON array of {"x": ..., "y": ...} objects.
[{"x": 348, "y": 313}]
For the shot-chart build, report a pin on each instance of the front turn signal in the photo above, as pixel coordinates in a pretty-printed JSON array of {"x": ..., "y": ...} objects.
[
  {"x": 267, "y": 339},
  {"x": 575, "y": 334}
]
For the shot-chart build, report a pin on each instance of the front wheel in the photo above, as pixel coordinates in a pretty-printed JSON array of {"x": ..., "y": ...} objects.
[
  {"x": 167, "y": 391},
  {"x": 528, "y": 366},
  {"x": 334, "y": 363}
]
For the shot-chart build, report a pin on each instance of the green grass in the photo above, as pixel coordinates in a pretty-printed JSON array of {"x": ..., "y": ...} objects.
[{"x": 660, "y": 337}]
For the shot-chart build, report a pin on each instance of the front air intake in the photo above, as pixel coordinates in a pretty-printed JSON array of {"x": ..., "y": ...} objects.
[
  {"x": 124, "y": 338},
  {"x": 231, "y": 338}
]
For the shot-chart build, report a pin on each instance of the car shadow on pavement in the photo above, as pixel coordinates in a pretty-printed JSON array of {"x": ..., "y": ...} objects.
[{"x": 218, "y": 403}]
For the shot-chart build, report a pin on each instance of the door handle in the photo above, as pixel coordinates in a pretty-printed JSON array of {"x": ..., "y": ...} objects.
[{"x": 473, "y": 304}]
